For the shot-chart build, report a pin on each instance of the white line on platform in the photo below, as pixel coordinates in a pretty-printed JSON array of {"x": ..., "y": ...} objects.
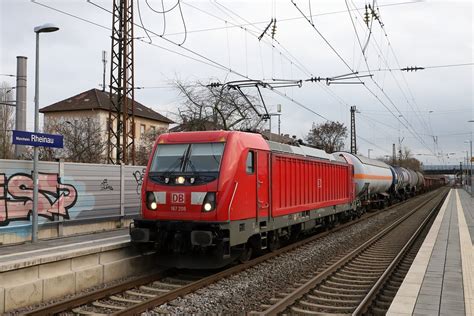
[{"x": 62, "y": 246}]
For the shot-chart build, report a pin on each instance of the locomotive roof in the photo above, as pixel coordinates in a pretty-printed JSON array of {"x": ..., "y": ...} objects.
[{"x": 300, "y": 150}]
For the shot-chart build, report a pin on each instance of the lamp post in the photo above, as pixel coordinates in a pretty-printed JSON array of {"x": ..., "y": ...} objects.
[
  {"x": 45, "y": 28},
  {"x": 472, "y": 186},
  {"x": 469, "y": 161}
]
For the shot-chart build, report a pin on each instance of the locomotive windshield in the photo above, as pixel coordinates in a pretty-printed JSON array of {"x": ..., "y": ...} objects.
[{"x": 189, "y": 158}]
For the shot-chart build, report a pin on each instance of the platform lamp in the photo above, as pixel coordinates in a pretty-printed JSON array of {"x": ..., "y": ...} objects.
[
  {"x": 470, "y": 141},
  {"x": 45, "y": 28}
]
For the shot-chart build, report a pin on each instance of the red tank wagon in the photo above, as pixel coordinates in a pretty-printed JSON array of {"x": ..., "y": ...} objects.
[{"x": 211, "y": 197}]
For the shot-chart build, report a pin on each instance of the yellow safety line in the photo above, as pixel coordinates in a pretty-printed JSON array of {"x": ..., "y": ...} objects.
[{"x": 466, "y": 258}]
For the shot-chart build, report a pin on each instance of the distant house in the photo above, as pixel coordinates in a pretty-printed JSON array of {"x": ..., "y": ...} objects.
[{"x": 95, "y": 104}]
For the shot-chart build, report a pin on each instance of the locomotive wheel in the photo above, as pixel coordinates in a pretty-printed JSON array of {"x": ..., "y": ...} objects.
[
  {"x": 246, "y": 254},
  {"x": 274, "y": 243}
]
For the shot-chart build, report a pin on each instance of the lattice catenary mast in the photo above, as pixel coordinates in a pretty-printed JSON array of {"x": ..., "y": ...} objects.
[
  {"x": 121, "y": 124},
  {"x": 353, "y": 131}
]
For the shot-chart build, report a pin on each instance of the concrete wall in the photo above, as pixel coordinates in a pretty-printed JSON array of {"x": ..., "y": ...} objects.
[
  {"x": 73, "y": 198},
  {"x": 69, "y": 272}
]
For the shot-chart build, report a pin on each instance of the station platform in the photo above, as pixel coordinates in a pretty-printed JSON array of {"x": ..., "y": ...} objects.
[
  {"x": 441, "y": 278},
  {"x": 43, "y": 271},
  {"x": 44, "y": 251}
]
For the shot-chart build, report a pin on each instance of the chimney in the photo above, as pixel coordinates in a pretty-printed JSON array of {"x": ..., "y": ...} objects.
[{"x": 20, "y": 113}]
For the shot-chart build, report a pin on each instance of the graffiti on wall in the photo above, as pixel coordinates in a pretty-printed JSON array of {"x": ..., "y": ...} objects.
[
  {"x": 105, "y": 186},
  {"x": 138, "y": 175},
  {"x": 16, "y": 197}
]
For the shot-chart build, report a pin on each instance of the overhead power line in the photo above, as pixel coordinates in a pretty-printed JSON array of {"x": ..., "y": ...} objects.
[
  {"x": 283, "y": 19},
  {"x": 420, "y": 68},
  {"x": 410, "y": 129},
  {"x": 206, "y": 60}
]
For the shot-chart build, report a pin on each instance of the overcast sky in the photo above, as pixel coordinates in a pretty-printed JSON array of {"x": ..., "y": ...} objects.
[{"x": 414, "y": 106}]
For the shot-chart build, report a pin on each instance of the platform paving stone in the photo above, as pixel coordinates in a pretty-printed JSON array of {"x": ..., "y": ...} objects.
[
  {"x": 442, "y": 285},
  {"x": 467, "y": 202}
]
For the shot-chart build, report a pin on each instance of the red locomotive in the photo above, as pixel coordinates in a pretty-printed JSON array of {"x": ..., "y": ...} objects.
[{"x": 212, "y": 197}]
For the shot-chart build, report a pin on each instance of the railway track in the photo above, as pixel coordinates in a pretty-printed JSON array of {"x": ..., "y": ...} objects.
[
  {"x": 138, "y": 295},
  {"x": 365, "y": 280}
]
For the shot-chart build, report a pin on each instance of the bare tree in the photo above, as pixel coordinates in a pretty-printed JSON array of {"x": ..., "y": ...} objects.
[
  {"x": 405, "y": 160},
  {"x": 145, "y": 145},
  {"x": 329, "y": 136},
  {"x": 213, "y": 108},
  {"x": 83, "y": 141},
  {"x": 408, "y": 161},
  {"x": 7, "y": 121}
]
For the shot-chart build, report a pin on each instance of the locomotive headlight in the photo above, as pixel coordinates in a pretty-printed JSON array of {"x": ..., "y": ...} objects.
[
  {"x": 167, "y": 180},
  {"x": 207, "y": 207},
  {"x": 180, "y": 180},
  {"x": 151, "y": 201},
  {"x": 209, "y": 203}
]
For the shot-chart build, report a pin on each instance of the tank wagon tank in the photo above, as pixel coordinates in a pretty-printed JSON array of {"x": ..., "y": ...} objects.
[
  {"x": 421, "y": 182},
  {"x": 372, "y": 178},
  {"x": 401, "y": 182},
  {"x": 412, "y": 182}
]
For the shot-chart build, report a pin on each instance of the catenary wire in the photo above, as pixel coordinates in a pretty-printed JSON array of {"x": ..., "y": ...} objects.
[
  {"x": 412, "y": 130},
  {"x": 210, "y": 63}
]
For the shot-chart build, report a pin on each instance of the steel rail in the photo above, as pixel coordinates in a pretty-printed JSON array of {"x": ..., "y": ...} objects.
[
  {"x": 98, "y": 294},
  {"x": 371, "y": 295},
  {"x": 290, "y": 299},
  {"x": 86, "y": 298},
  {"x": 156, "y": 301}
]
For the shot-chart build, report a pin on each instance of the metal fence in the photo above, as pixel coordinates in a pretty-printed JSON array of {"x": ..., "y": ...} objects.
[{"x": 68, "y": 192}]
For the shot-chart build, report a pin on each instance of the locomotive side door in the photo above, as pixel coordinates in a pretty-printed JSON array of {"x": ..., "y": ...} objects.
[{"x": 263, "y": 183}]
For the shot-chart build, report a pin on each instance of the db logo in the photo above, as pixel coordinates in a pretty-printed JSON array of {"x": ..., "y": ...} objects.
[{"x": 177, "y": 198}]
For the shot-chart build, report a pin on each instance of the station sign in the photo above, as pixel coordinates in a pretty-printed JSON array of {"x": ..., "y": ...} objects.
[{"x": 37, "y": 139}]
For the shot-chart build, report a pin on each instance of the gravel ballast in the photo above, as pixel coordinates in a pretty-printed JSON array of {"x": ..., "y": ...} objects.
[{"x": 248, "y": 290}]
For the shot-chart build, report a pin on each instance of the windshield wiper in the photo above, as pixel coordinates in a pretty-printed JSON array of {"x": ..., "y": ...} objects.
[{"x": 171, "y": 168}]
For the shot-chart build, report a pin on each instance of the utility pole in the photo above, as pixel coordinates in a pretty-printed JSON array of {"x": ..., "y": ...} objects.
[
  {"x": 121, "y": 124},
  {"x": 394, "y": 154},
  {"x": 104, "y": 61},
  {"x": 279, "y": 117},
  {"x": 400, "y": 140},
  {"x": 353, "y": 131}
]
